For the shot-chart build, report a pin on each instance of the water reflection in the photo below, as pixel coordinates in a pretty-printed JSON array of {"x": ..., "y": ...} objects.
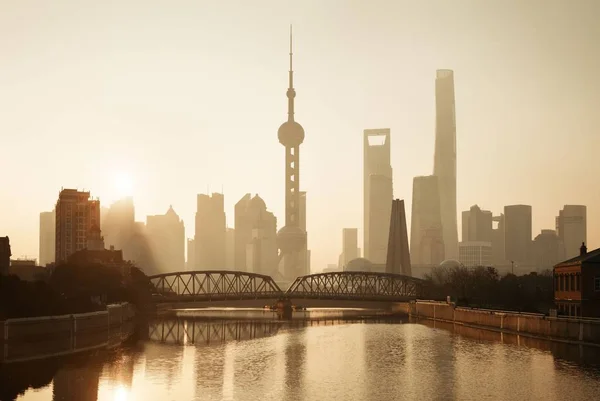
[{"x": 199, "y": 357}]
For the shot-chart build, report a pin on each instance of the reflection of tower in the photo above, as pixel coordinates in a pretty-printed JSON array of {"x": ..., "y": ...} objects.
[
  {"x": 398, "y": 257},
  {"x": 444, "y": 164},
  {"x": 378, "y": 193},
  {"x": 77, "y": 383},
  {"x": 291, "y": 239}
]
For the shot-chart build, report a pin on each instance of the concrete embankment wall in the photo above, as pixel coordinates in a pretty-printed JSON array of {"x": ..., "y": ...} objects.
[
  {"x": 30, "y": 338},
  {"x": 566, "y": 329}
]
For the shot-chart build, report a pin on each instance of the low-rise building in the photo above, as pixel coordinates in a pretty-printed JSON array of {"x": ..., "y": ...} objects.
[
  {"x": 475, "y": 253},
  {"x": 5, "y": 255},
  {"x": 577, "y": 284}
]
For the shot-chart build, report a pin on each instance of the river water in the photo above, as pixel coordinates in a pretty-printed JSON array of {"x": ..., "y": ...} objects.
[{"x": 249, "y": 355}]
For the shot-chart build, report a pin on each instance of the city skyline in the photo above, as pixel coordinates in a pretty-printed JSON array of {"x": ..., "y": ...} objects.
[{"x": 484, "y": 176}]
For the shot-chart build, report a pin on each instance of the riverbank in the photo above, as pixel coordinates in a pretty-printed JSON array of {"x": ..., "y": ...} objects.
[
  {"x": 569, "y": 330},
  {"x": 49, "y": 336}
]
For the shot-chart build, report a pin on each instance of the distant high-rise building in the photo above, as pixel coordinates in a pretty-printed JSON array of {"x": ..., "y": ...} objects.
[
  {"x": 230, "y": 249},
  {"x": 47, "y": 237},
  {"x": 477, "y": 225},
  {"x": 5, "y": 255},
  {"x": 548, "y": 250},
  {"x": 378, "y": 193},
  {"x": 166, "y": 235},
  {"x": 498, "y": 254},
  {"x": 118, "y": 223},
  {"x": 255, "y": 237},
  {"x": 444, "y": 166},
  {"x": 517, "y": 233},
  {"x": 210, "y": 232},
  {"x": 190, "y": 262},
  {"x": 571, "y": 226},
  {"x": 305, "y": 253},
  {"x": 398, "y": 255},
  {"x": 475, "y": 253},
  {"x": 76, "y": 214},
  {"x": 349, "y": 246},
  {"x": 426, "y": 233}
]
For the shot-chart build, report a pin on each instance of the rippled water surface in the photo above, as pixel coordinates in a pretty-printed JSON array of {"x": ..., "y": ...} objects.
[{"x": 192, "y": 357}]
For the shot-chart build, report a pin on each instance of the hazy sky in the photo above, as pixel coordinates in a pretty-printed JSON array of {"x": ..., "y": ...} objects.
[{"x": 185, "y": 95}]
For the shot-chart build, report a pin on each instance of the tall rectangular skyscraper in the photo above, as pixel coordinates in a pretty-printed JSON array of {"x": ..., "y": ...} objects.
[
  {"x": 349, "y": 245},
  {"x": 444, "y": 164},
  {"x": 378, "y": 193},
  {"x": 517, "y": 233},
  {"x": 477, "y": 225},
  {"x": 209, "y": 238},
  {"x": 571, "y": 226},
  {"x": 426, "y": 234},
  {"x": 47, "y": 237}
]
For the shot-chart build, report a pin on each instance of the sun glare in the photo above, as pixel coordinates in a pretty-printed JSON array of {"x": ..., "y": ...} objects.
[
  {"x": 121, "y": 394},
  {"x": 123, "y": 184}
]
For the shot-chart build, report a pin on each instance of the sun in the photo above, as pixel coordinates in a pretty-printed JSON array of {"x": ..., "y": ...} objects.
[{"x": 123, "y": 183}]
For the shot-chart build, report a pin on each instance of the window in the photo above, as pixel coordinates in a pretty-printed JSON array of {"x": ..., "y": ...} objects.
[{"x": 596, "y": 283}]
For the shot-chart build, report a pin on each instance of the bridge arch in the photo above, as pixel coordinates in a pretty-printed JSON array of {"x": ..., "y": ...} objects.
[
  {"x": 213, "y": 285},
  {"x": 364, "y": 286}
]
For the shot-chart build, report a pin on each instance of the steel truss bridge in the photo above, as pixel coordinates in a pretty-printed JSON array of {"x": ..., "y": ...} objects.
[{"x": 225, "y": 285}]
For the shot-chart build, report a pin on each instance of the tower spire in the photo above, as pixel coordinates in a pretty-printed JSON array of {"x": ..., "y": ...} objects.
[{"x": 291, "y": 93}]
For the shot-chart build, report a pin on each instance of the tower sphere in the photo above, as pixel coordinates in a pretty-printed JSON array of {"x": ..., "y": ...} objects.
[
  {"x": 290, "y": 134},
  {"x": 291, "y": 239}
]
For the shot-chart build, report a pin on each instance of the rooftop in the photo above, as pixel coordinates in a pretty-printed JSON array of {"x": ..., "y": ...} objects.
[{"x": 590, "y": 257}]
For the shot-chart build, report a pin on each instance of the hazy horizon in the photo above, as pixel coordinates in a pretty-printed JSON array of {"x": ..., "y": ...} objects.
[{"x": 181, "y": 99}]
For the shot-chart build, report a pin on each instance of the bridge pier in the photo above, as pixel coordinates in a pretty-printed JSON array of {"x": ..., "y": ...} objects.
[{"x": 284, "y": 309}]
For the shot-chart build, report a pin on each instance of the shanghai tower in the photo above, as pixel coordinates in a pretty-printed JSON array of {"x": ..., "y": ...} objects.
[
  {"x": 291, "y": 239},
  {"x": 444, "y": 164}
]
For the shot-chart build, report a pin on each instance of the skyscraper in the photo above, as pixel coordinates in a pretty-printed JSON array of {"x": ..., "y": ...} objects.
[
  {"x": 498, "y": 241},
  {"x": 398, "y": 255},
  {"x": 444, "y": 165},
  {"x": 255, "y": 237},
  {"x": 118, "y": 227},
  {"x": 209, "y": 238},
  {"x": 190, "y": 263},
  {"x": 477, "y": 225},
  {"x": 349, "y": 246},
  {"x": 571, "y": 226},
  {"x": 378, "y": 193},
  {"x": 291, "y": 239},
  {"x": 517, "y": 233},
  {"x": 47, "y": 237},
  {"x": 426, "y": 234},
  {"x": 76, "y": 215},
  {"x": 166, "y": 235},
  {"x": 548, "y": 250}
]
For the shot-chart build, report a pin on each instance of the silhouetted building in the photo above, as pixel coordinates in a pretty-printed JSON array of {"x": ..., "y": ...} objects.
[
  {"x": 349, "y": 246},
  {"x": 291, "y": 239},
  {"x": 444, "y": 165},
  {"x": 426, "y": 233},
  {"x": 27, "y": 270},
  {"x": 571, "y": 226},
  {"x": 475, "y": 253},
  {"x": 255, "y": 237},
  {"x": 76, "y": 214},
  {"x": 548, "y": 250},
  {"x": 166, "y": 234},
  {"x": 378, "y": 193},
  {"x": 517, "y": 233},
  {"x": 141, "y": 248},
  {"x": 304, "y": 265},
  {"x": 118, "y": 224},
  {"x": 106, "y": 257},
  {"x": 5, "y": 255},
  {"x": 210, "y": 232},
  {"x": 577, "y": 284},
  {"x": 477, "y": 225},
  {"x": 498, "y": 252},
  {"x": 190, "y": 263},
  {"x": 95, "y": 240},
  {"x": 47, "y": 238},
  {"x": 398, "y": 255},
  {"x": 230, "y": 248}
]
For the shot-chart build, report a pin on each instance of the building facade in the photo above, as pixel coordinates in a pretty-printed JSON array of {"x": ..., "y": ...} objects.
[
  {"x": 571, "y": 226},
  {"x": 577, "y": 284},
  {"x": 118, "y": 226},
  {"x": 477, "y": 225},
  {"x": 398, "y": 254},
  {"x": 475, "y": 253},
  {"x": 47, "y": 238},
  {"x": 548, "y": 250},
  {"x": 209, "y": 238},
  {"x": 444, "y": 165},
  {"x": 426, "y": 233},
  {"x": 76, "y": 214},
  {"x": 349, "y": 246}
]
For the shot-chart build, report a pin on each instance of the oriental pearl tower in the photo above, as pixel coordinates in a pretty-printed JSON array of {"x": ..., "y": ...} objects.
[{"x": 291, "y": 239}]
